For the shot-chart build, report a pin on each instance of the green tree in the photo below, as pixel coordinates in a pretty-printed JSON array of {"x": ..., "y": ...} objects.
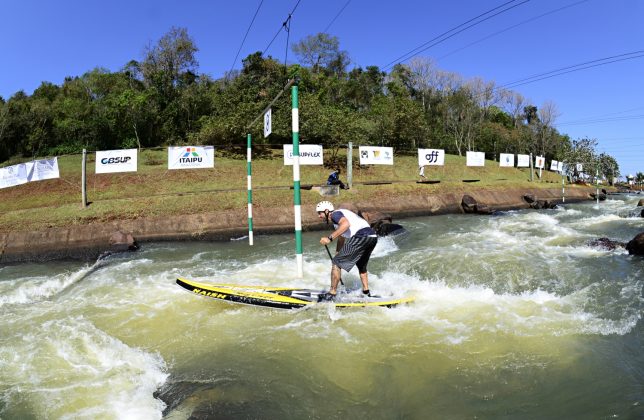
[{"x": 322, "y": 51}]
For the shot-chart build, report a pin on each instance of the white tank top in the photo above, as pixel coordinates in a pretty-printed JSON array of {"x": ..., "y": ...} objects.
[{"x": 355, "y": 223}]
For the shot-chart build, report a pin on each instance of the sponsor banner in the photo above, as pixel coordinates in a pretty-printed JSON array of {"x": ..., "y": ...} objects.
[
  {"x": 310, "y": 154},
  {"x": 580, "y": 167},
  {"x": 268, "y": 127},
  {"x": 554, "y": 165},
  {"x": 431, "y": 157},
  {"x": 11, "y": 176},
  {"x": 560, "y": 167},
  {"x": 475, "y": 158},
  {"x": 506, "y": 160},
  {"x": 523, "y": 161},
  {"x": 191, "y": 157},
  {"x": 540, "y": 162},
  {"x": 374, "y": 155},
  {"x": 44, "y": 169},
  {"x": 110, "y": 161}
]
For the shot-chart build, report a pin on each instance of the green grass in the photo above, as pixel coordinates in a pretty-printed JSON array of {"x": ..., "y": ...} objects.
[{"x": 156, "y": 191}]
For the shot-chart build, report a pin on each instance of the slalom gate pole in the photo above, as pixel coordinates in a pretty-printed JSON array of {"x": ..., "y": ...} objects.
[
  {"x": 563, "y": 189},
  {"x": 84, "y": 178},
  {"x": 297, "y": 207},
  {"x": 350, "y": 165},
  {"x": 250, "y": 192}
]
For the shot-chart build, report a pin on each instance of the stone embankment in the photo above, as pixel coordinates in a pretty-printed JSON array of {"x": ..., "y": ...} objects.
[{"x": 91, "y": 240}]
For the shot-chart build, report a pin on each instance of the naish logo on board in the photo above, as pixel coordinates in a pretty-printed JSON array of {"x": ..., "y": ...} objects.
[
  {"x": 190, "y": 156},
  {"x": 209, "y": 293}
]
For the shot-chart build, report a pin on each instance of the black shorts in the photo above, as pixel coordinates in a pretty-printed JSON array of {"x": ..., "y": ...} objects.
[{"x": 356, "y": 252}]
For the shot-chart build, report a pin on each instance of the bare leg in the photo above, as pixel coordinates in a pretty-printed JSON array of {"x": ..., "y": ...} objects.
[
  {"x": 335, "y": 279},
  {"x": 364, "y": 278}
]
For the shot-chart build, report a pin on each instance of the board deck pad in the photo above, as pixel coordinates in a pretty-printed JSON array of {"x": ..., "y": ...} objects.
[{"x": 284, "y": 297}]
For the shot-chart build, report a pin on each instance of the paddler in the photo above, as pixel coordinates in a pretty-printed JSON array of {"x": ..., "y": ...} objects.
[{"x": 355, "y": 243}]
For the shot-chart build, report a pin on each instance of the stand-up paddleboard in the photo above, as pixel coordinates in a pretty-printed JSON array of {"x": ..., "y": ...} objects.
[{"x": 283, "y": 297}]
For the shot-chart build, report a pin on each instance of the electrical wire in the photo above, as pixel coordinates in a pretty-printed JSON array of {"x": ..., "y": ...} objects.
[
  {"x": 326, "y": 30},
  {"x": 444, "y": 36},
  {"x": 281, "y": 27},
  {"x": 245, "y": 35}
]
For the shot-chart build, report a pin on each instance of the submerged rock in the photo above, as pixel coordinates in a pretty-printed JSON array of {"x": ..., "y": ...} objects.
[
  {"x": 636, "y": 245},
  {"x": 606, "y": 243}
]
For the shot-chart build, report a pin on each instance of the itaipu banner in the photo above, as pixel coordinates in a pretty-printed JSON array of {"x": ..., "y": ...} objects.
[
  {"x": 373, "y": 155},
  {"x": 506, "y": 160},
  {"x": 475, "y": 158},
  {"x": 110, "y": 161},
  {"x": 37, "y": 170},
  {"x": 191, "y": 157},
  {"x": 310, "y": 154},
  {"x": 431, "y": 157},
  {"x": 523, "y": 161}
]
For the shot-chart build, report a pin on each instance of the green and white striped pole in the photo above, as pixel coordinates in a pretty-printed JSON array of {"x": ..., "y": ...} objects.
[
  {"x": 250, "y": 193},
  {"x": 297, "y": 207}
]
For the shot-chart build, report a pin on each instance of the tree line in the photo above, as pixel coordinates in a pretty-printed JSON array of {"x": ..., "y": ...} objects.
[{"x": 163, "y": 100}]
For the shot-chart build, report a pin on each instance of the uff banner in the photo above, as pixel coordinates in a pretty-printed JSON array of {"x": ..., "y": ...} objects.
[
  {"x": 11, "y": 176},
  {"x": 191, "y": 157},
  {"x": 110, "y": 161},
  {"x": 373, "y": 155},
  {"x": 431, "y": 157},
  {"x": 310, "y": 154},
  {"x": 44, "y": 169},
  {"x": 475, "y": 158},
  {"x": 523, "y": 161},
  {"x": 506, "y": 160}
]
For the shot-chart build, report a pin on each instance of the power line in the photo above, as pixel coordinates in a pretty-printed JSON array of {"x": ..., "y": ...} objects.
[
  {"x": 444, "y": 36},
  {"x": 282, "y": 27},
  {"x": 512, "y": 27},
  {"x": 326, "y": 30},
  {"x": 247, "y": 31}
]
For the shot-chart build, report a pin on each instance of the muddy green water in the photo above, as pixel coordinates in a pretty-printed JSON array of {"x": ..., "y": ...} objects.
[{"x": 515, "y": 317}]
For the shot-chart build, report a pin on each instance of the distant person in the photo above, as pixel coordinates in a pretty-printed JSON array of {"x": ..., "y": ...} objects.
[
  {"x": 334, "y": 179},
  {"x": 356, "y": 241},
  {"x": 421, "y": 171}
]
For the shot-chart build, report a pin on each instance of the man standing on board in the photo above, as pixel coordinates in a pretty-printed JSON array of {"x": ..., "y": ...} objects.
[{"x": 356, "y": 240}]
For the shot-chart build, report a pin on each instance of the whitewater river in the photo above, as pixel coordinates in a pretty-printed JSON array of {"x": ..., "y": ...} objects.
[{"x": 516, "y": 316}]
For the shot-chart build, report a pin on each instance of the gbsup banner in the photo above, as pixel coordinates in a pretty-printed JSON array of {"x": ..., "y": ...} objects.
[
  {"x": 191, "y": 157},
  {"x": 110, "y": 161},
  {"x": 523, "y": 161},
  {"x": 431, "y": 157},
  {"x": 373, "y": 155},
  {"x": 475, "y": 158},
  {"x": 310, "y": 154},
  {"x": 506, "y": 160},
  {"x": 13, "y": 175}
]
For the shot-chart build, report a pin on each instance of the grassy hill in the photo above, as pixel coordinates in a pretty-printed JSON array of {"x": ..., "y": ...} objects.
[{"x": 156, "y": 191}]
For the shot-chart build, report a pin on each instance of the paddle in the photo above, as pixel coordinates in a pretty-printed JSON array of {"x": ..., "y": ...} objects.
[{"x": 331, "y": 258}]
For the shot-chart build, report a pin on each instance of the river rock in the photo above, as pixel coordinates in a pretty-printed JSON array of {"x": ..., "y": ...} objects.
[
  {"x": 121, "y": 242},
  {"x": 640, "y": 203},
  {"x": 468, "y": 203},
  {"x": 606, "y": 243},
  {"x": 390, "y": 229},
  {"x": 602, "y": 196},
  {"x": 529, "y": 198},
  {"x": 636, "y": 245}
]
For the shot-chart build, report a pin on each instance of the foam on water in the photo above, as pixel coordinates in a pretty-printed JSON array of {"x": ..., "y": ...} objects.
[{"x": 71, "y": 369}]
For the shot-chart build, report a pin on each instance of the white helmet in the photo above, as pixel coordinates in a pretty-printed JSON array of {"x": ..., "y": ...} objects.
[{"x": 323, "y": 206}]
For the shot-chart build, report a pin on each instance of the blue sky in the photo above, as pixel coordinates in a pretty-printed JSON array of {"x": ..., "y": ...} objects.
[{"x": 47, "y": 40}]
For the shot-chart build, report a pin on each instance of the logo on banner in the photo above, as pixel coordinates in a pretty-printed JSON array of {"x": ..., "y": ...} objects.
[
  {"x": 432, "y": 157},
  {"x": 364, "y": 154},
  {"x": 310, "y": 154},
  {"x": 191, "y": 156},
  {"x": 113, "y": 160}
]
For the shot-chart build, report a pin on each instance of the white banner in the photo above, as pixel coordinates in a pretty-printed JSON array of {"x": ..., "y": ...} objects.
[
  {"x": 110, "y": 161},
  {"x": 475, "y": 158},
  {"x": 11, "y": 176},
  {"x": 44, "y": 169},
  {"x": 268, "y": 124},
  {"x": 310, "y": 154},
  {"x": 560, "y": 167},
  {"x": 506, "y": 160},
  {"x": 580, "y": 167},
  {"x": 554, "y": 165},
  {"x": 540, "y": 162},
  {"x": 191, "y": 157},
  {"x": 523, "y": 161},
  {"x": 374, "y": 155},
  {"x": 431, "y": 157}
]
